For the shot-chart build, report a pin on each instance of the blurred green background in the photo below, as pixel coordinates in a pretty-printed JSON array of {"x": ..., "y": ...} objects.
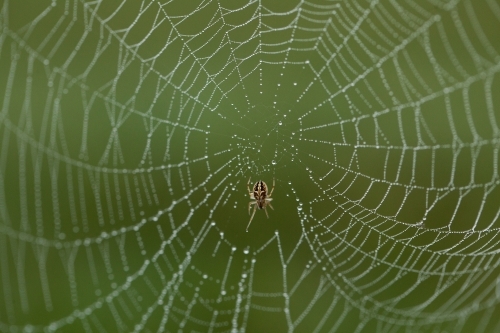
[{"x": 129, "y": 131}]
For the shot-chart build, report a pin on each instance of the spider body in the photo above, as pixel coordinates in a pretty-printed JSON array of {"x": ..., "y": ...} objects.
[{"x": 261, "y": 196}]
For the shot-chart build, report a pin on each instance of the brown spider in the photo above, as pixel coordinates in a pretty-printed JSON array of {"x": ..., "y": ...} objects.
[{"x": 262, "y": 198}]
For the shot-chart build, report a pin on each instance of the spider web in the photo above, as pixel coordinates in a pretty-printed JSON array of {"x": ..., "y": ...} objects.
[{"x": 129, "y": 131}]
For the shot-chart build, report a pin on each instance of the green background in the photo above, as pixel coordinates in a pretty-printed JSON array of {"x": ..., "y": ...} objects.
[{"x": 129, "y": 132}]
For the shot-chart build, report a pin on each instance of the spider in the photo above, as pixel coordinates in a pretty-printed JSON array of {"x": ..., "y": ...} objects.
[{"x": 262, "y": 198}]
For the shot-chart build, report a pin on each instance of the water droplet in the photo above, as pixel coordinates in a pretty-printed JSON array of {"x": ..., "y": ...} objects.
[
  {"x": 273, "y": 162},
  {"x": 280, "y": 123}
]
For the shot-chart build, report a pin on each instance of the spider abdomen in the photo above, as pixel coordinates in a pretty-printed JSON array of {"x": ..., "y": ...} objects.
[{"x": 260, "y": 193}]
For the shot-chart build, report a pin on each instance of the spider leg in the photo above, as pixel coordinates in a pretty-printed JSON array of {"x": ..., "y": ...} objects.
[
  {"x": 266, "y": 212},
  {"x": 250, "y": 193},
  {"x": 248, "y": 185},
  {"x": 269, "y": 204},
  {"x": 271, "y": 193},
  {"x": 250, "y": 204},
  {"x": 254, "y": 209}
]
